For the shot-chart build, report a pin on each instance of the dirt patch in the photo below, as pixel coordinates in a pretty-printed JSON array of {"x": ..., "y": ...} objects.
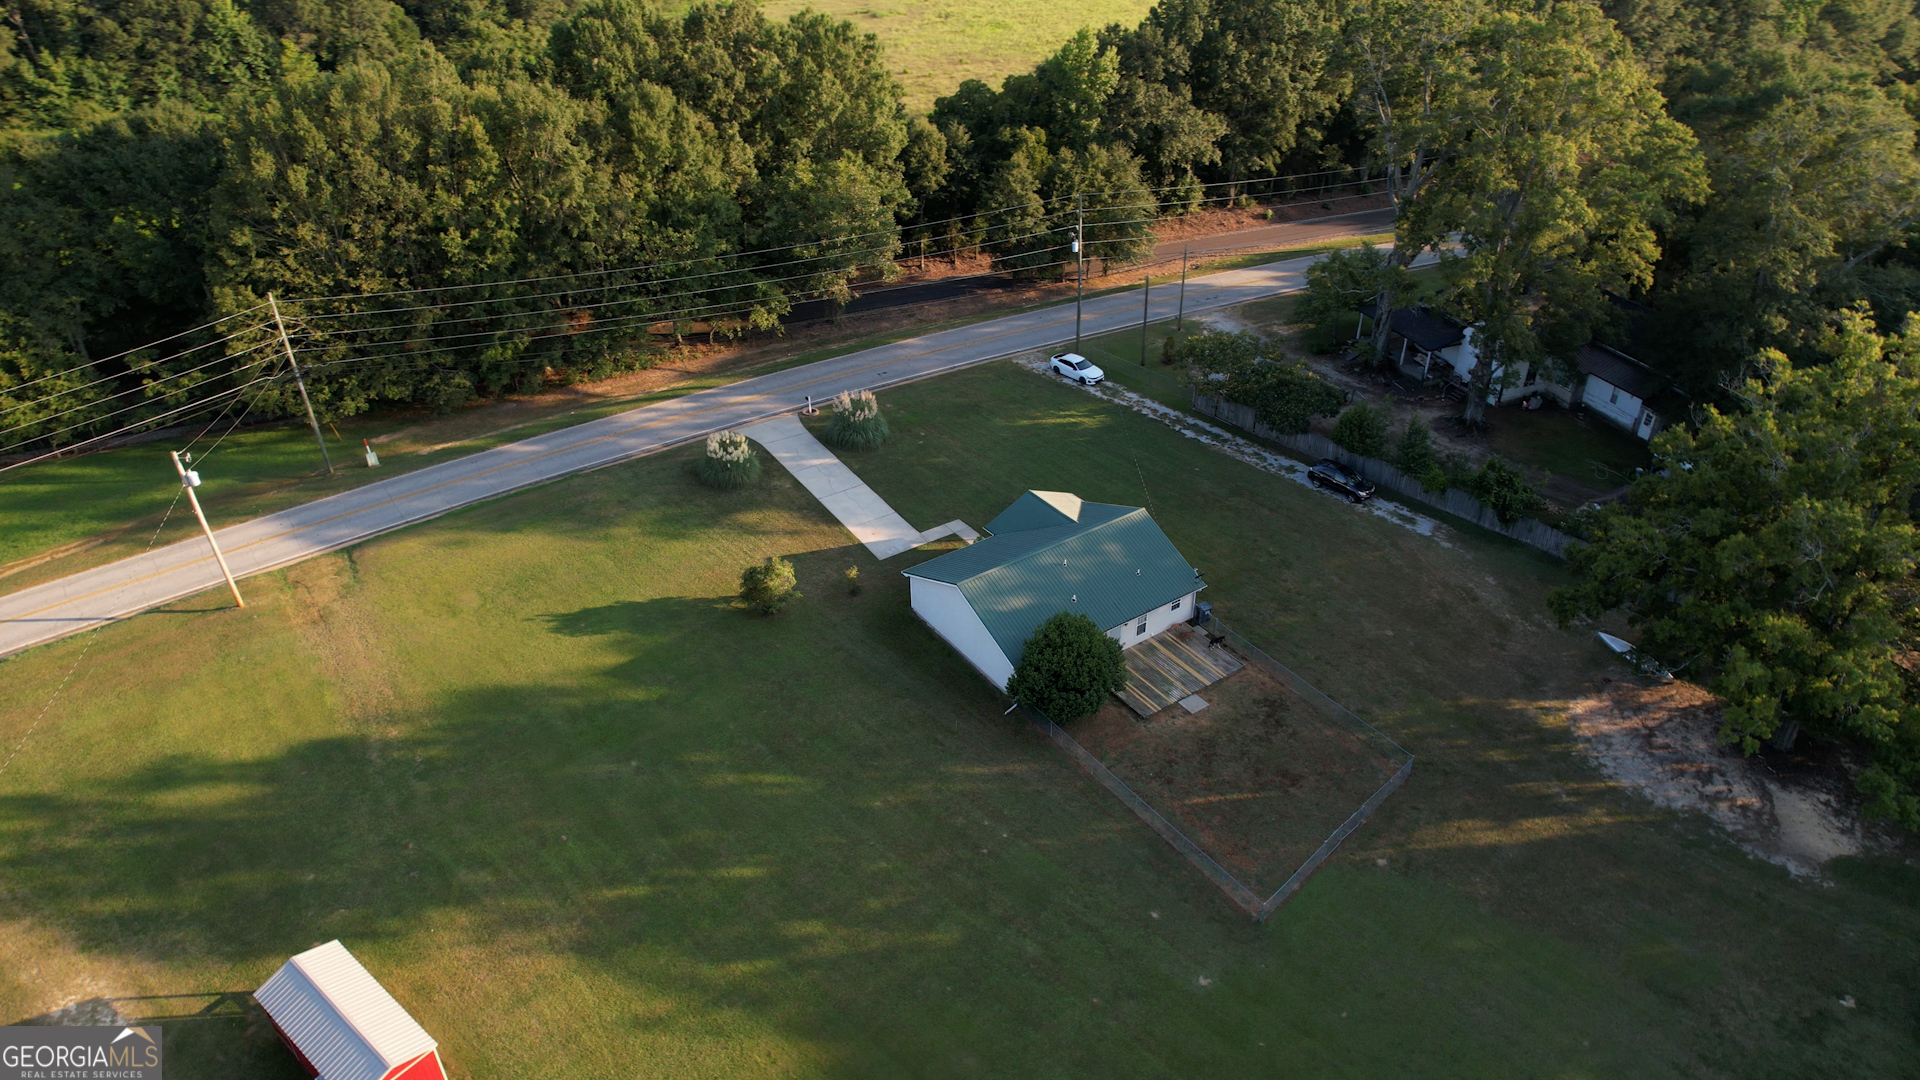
[
  {"x": 1259, "y": 778},
  {"x": 1663, "y": 741},
  {"x": 1212, "y": 221}
]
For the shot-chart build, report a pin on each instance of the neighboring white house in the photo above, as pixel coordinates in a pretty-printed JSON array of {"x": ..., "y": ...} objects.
[
  {"x": 1047, "y": 553},
  {"x": 1420, "y": 338},
  {"x": 1617, "y": 387},
  {"x": 1608, "y": 382}
]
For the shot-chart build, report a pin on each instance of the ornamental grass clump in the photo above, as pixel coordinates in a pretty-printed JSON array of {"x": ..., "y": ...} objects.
[
  {"x": 729, "y": 461},
  {"x": 857, "y": 423}
]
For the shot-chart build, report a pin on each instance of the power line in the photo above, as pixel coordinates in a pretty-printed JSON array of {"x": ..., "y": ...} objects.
[
  {"x": 750, "y": 280},
  {"x": 124, "y": 393},
  {"x": 409, "y": 350},
  {"x": 170, "y": 414},
  {"x": 785, "y": 247},
  {"x": 140, "y": 348},
  {"x": 548, "y": 312},
  {"x": 113, "y": 378}
]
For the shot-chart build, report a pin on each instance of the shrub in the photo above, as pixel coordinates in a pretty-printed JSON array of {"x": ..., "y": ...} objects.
[
  {"x": 1067, "y": 668},
  {"x": 1216, "y": 351},
  {"x": 1284, "y": 395},
  {"x": 857, "y": 423},
  {"x": 853, "y": 581},
  {"x": 768, "y": 586},
  {"x": 1505, "y": 491},
  {"x": 1362, "y": 429},
  {"x": 729, "y": 461},
  {"x": 1416, "y": 457}
]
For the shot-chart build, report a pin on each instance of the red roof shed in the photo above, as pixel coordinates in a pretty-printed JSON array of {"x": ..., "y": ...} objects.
[{"x": 342, "y": 1024}]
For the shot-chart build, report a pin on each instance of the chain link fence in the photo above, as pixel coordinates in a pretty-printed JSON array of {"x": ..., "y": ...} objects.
[{"x": 1258, "y": 907}]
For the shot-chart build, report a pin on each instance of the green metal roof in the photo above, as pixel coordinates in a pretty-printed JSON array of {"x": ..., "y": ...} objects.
[
  {"x": 1045, "y": 509},
  {"x": 1109, "y": 563}
]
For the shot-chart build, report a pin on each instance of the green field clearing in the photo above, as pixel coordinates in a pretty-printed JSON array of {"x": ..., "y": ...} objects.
[
  {"x": 585, "y": 819},
  {"x": 932, "y": 46}
]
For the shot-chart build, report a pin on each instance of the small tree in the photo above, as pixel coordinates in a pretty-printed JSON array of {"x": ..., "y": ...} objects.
[
  {"x": 1362, "y": 429},
  {"x": 1067, "y": 668},
  {"x": 857, "y": 423},
  {"x": 1284, "y": 395},
  {"x": 1505, "y": 491},
  {"x": 1417, "y": 458},
  {"x": 1340, "y": 285},
  {"x": 729, "y": 461},
  {"x": 768, "y": 586}
]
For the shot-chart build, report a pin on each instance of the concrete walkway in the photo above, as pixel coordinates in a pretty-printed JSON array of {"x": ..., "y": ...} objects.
[
  {"x": 865, "y": 514},
  {"x": 93, "y": 597}
]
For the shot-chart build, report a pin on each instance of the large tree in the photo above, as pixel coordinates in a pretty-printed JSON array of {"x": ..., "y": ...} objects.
[
  {"x": 1560, "y": 165},
  {"x": 1814, "y": 175},
  {"x": 1260, "y": 66},
  {"x": 1772, "y": 552},
  {"x": 1408, "y": 66}
]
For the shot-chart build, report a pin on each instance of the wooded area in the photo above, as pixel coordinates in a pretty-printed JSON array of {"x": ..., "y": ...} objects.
[{"x": 563, "y": 176}]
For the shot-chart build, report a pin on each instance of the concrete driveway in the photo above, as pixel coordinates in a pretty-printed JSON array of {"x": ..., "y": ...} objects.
[{"x": 84, "y": 600}]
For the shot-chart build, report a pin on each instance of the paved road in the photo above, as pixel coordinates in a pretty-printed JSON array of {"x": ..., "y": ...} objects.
[{"x": 93, "y": 597}]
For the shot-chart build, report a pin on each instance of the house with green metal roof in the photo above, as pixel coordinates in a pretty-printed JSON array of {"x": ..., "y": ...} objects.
[{"x": 1051, "y": 552}]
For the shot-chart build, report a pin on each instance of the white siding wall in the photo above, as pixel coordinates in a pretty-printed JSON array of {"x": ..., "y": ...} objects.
[
  {"x": 1611, "y": 402},
  {"x": 1160, "y": 618},
  {"x": 1464, "y": 356},
  {"x": 947, "y": 611}
]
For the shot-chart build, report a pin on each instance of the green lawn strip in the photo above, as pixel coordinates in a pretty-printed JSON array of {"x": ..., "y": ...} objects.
[
  {"x": 585, "y": 818},
  {"x": 120, "y": 497}
]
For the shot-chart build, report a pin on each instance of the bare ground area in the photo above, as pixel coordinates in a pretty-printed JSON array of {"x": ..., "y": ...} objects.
[
  {"x": 1258, "y": 779},
  {"x": 1663, "y": 741}
]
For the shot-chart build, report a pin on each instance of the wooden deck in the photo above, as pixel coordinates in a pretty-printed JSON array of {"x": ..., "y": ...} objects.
[{"x": 1172, "y": 664}]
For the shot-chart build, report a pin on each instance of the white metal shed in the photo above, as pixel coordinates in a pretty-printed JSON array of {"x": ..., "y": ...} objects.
[{"x": 342, "y": 1024}]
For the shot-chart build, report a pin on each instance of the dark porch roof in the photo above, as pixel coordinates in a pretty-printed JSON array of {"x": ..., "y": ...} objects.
[{"x": 1426, "y": 328}]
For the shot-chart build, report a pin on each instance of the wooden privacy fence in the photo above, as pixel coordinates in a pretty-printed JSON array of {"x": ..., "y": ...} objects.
[{"x": 1453, "y": 501}]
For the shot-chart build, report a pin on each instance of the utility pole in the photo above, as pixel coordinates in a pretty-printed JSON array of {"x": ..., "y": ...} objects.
[
  {"x": 1079, "y": 267},
  {"x": 190, "y": 480},
  {"x": 1146, "y": 294},
  {"x": 302, "y": 384},
  {"x": 1180, "y": 320}
]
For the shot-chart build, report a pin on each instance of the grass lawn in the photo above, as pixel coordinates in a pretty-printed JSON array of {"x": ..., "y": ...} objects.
[
  {"x": 932, "y": 46},
  {"x": 587, "y": 820},
  {"x": 1588, "y": 450}
]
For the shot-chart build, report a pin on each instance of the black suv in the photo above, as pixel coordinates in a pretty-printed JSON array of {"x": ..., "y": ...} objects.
[{"x": 1333, "y": 476}]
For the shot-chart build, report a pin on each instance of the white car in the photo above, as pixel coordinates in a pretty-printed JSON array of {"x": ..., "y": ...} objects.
[{"x": 1076, "y": 367}]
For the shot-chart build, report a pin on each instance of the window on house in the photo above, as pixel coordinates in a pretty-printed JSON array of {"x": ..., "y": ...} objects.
[
  {"x": 1614, "y": 397},
  {"x": 1175, "y": 606},
  {"x": 1142, "y": 628}
]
